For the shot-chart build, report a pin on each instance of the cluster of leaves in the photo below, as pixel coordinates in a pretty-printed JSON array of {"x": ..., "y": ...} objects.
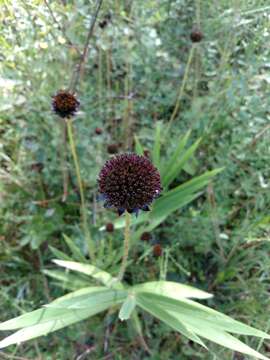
[
  {"x": 135, "y": 65},
  {"x": 168, "y": 301}
]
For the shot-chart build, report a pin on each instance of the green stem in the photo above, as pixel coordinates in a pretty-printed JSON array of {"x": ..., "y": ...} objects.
[
  {"x": 63, "y": 150},
  {"x": 90, "y": 243},
  {"x": 181, "y": 91},
  {"x": 126, "y": 247}
]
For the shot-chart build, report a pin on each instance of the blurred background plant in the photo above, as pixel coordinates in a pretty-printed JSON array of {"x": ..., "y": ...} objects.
[{"x": 141, "y": 68}]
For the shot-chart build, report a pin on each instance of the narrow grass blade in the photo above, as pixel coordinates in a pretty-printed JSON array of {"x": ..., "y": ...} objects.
[
  {"x": 174, "y": 157},
  {"x": 59, "y": 254},
  {"x": 156, "y": 149},
  {"x": 76, "y": 252},
  {"x": 178, "y": 164}
]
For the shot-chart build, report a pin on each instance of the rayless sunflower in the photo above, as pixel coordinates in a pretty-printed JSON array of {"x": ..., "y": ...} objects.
[
  {"x": 129, "y": 182},
  {"x": 65, "y": 104}
]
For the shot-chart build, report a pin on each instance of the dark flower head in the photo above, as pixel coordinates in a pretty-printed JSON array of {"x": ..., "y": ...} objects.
[
  {"x": 196, "y": 36},
  {"x": 129, "y": 182},
  {"x": 98, "y": 131},
  {"x": 112, "y": 148},
  {"x": 109, "y": 227},
  {"x": 157, "y": 250},
  {"x": 65, "y": 104},
  {"x": 146, "y": 236}
]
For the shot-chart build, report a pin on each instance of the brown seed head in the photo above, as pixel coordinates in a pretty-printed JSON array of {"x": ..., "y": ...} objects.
[
  {"x": 65, "y": 104},
  {"x": 196, "y": 36},
  {"x": 98, "y": 131},
  {"x": 112, "y": 148},
  {"x": 146, "y": 236},
  {"x": 157, "y": 250},
  {"x": 109, "y": 227},
  {"x": 129, "y": 182}
]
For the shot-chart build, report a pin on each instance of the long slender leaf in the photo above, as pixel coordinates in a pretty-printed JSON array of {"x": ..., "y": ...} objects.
[
  {"x": 189, "y": 309},
  {"x": 76, "y": 252},
  {"x": 174, "y": 157},
  {"x": 174, "y": 171},
  {"x": 203, "y": 321},
  {"x": 66, "y": 279},
  {"x": 61, "y": 318},
  {"x": 168, "y": 319},
  {"x": 87, "y": 269},
  {"x": 224, "y": 339},
  {"x": 59, "y": 254},
  {"x": 171, "y": 289},
  {"x": 166, "y": 205},
  {"x": 62, "y": 312},
  {"x": 194, "y": 184},
  {"x": 46, "y": 313},
  {"x": 97, "y": 296}
]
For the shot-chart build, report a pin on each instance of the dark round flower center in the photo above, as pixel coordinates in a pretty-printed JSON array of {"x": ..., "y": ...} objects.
[
  {"x": 129, "y": 182},
  {"x": 196, "y": 35},
  {"x": 65, "y": 104}
]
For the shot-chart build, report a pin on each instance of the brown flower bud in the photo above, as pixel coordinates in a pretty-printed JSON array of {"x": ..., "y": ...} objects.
[
  {"x": 196, "y": 36},
  {"x": 109, "y": 227},
  {"x": 157, "y": 250},
  {"x": 98, "y": 131},
  {"x": 146, "y": 236}
]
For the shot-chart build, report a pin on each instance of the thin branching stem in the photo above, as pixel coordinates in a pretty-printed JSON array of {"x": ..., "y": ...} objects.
[
  {"x": 126, "y": 247},
  {"x": 87, "y": 234},
  {"x": 80, "y": 67}
]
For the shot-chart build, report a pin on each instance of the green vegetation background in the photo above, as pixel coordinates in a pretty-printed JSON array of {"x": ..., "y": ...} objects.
[{"x": 132, "y": 75}]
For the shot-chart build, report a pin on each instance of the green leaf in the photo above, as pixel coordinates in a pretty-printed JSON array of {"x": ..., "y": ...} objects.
[
  {"x": 224, "y": 339},
  {"x": 76, "y": 252},
  {"x": 98, "y": 295},
  {"x": 87, "y": 269},
  {"x": 171, "y": 289},
  {"x": 62, "y": 312},
  {"x": 168, "y": 319},
  {"x": 193, "y": 311},
  {"x": 59, "y": 254},
  {"x": 191, "y": 165},
  {"x": 174, "y": 157},
  {"x": 166, "y": 205},
  {"x": 138, "y": 146},
  {"x": 156, "y": 149},
  {"x": 194, "y": 184},
  {"x": 46, "y": 314},
  {"x": 127, "y": 307},
  {"x": 67, "y": 280},
  {"x": 204, "y": 322},
  {"x": 61, "y": 318},
  {"x": 178, "y": 164}
]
